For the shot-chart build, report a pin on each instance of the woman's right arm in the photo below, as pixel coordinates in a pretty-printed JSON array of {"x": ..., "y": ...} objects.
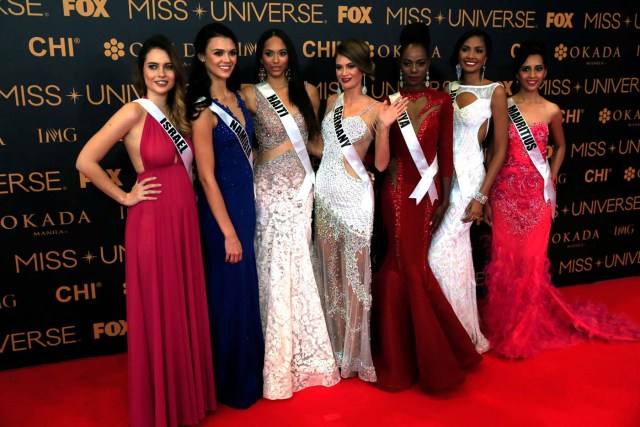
[
  {"x": 205, "y": 159},
  {"x": 119, "y": 126}
]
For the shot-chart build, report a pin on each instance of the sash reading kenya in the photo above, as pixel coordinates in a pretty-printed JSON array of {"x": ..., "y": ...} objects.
[
  {"x": 427, "y": 171},
  {"x": 236, "y": 128},
  {"x": 295, "y": 137},
  {"x": 185, "y": 152},
  {"x": 530, "y": 145},
  {"x": 349, "y": 151}
]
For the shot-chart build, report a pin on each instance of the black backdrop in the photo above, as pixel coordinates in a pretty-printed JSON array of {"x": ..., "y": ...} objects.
[{"x": 67, "y": 65}]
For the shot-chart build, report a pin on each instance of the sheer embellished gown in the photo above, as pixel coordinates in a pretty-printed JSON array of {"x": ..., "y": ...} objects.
[
  {"x": 416, "y": 336},
  {"x": 450, "y": 254},
  {"x": 524, "y": 312},
  {"x": 344, "y": 222},
  {"x": 234, "y": 310},
  {"x": 298, "y": 351},
  {"x": 170, "y": 369}
]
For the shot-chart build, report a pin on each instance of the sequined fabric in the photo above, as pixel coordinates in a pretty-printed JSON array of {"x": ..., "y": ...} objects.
[
  {"x": 342, "y": 247},
  {"x": 298, "y": 351},
  {"x": 524, "y": 313},
  {"x": 415, "y": 334},
  {"x": 450, "y": 253}
]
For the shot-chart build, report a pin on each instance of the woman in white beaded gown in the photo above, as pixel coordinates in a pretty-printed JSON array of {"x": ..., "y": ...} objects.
[
  {"x": 298, "y": 351},
  {"x": 344, "y": 209},
  {"x": 476, "y": 102}
]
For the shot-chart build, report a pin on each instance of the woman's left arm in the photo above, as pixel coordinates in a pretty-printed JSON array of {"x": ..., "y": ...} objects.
[
  {"x": 559, "y": 146},
  {"x": 500, "y": 142}
]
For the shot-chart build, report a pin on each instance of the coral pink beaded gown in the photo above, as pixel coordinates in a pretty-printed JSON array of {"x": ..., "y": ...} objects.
[
  {"x": 169, "y": 346},
  {"x": 524, "y": 312}
]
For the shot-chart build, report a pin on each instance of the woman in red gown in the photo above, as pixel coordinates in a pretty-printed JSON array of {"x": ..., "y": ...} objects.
[
  {"x": 169, "y": 347},
  {"x": 415, "y": 332},
  {"x": 524, "y": 313}
]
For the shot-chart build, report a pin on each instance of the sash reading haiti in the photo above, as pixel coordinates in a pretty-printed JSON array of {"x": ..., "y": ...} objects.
[{"x": 293, "y": 132}]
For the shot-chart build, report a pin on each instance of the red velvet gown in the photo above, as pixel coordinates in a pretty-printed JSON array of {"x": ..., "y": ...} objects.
[
  {"x": 415, "y": 332},
  {"x": 169, "y": 346},
  {"x": 524, "y": 313}
]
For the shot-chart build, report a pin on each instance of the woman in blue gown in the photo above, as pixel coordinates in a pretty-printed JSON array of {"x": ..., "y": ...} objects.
[{"x": 222, "y": 129}]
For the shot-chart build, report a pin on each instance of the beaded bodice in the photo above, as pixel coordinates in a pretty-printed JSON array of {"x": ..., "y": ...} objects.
[{"x": 269, "y": 128}]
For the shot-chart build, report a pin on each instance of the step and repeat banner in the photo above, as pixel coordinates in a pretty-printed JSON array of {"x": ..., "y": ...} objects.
[{"x": 67, "y": 67}]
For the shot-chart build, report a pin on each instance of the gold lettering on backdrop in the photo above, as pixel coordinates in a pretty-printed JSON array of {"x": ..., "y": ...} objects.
[
  {"x": 246, "y": 11},
  {"x": 113, "y": 176},
  {"x": 622, "y": 260},
  {"x": 494, "y": 18},
  {"x": 8, "y": 301},
  {"x": 33, "y": 95},
  {"x": 407, "y": 15},
  {"x": 50, "y": 260},
  {"x": 578, "y": 265},
  {"x": 611, "y": 205},
  {"x": 164, "y": 10},
  {"x": 46, "y": 136},
  {"x": 108, "y": 94},
  {"x": 622, "y": 85},
  {"x": 86, "y": 8},
  {"x": 110, "y": 329},
  {"x": 24, "y": 8},
  {"x": 589, "y": 149},
  {"x": 602, "y": 20},
  {"x": 52, "y": 337},
  {"x": 84, "y": 292},
  {"x": 629, "y": 146},
  {"x": 33, "y": 182}
]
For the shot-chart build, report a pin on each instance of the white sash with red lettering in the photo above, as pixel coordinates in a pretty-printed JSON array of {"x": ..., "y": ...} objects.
[
  {"x": 427, "y": 171},
  {"x": 295, "y": 137},
  {"x": 185, "y": 152}
]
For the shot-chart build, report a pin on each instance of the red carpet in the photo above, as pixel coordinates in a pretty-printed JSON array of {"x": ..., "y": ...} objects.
[{"x": 591, "y": 384}]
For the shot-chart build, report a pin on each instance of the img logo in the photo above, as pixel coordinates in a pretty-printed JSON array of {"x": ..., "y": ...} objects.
[
  {"x": 86, "y": 8},
  {"x": 354, "y": 14},
  {"x": 559, "y": 20}
]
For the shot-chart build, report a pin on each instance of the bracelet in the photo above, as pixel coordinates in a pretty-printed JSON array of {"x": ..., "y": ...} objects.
[{"x": 480, "y": 197}]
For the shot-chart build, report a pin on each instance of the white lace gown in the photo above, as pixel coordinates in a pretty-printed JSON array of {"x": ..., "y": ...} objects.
[
  {"x": 450, "y": 255},
  {"x": 298, "y": 351},
  {"x": 342, "y": 245}
]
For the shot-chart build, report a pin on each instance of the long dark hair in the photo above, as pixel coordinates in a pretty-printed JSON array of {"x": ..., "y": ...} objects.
[
  {"x": 526, "y": 49},
  {"x": 474, "y": 32},
  {"x": 199, "y": 80},
  {"x": 297, "y": 91},
  {"x": 175, "y": 98}
]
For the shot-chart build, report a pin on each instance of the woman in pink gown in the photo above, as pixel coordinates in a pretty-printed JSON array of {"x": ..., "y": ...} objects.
[
  {"x": 524, "y": 313},
  {"x": 169, "y": 347}
]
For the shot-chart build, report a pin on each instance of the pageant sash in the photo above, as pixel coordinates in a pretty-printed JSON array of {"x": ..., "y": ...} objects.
[
  {"x": 237, "y": 129},
  {"x": 460, "y": 164},
  {"x": 295, "y": 137},
  {"x": 349, "y": 151},
  {"x": 427, "y": 171},
  {"x": 453, "y": 90},
  {"x": 530, "y": 145},
  {"x": 185, "y": 152}
]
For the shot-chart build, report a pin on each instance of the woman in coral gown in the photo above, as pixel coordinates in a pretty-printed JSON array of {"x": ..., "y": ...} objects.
[
  {"x": 169, "y": 349},
  {"x": 415, "y": 332},
  {"x": 298, "y": 352},
  {"x": 222, "y": 131},
  {"x": 524, "y": 313},
  {"x": 477, "y": 102}
]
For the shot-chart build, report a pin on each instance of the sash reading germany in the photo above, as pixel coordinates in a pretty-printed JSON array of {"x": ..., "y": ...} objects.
[{"x": 349, "y": 151}]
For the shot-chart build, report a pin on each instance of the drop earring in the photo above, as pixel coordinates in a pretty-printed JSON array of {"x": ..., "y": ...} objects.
[
  {"x": 458, "y": 71},
  {"x": 400, "y": 82},
  {"x": 426, "y": 79},
  {"x": 262, "y": 73},
  {"x": 339, "y": 90},
  {"x": 364, "y": 82},
  {"x": 287, "y": 74},
  {"x": 484, "y": 68}
]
